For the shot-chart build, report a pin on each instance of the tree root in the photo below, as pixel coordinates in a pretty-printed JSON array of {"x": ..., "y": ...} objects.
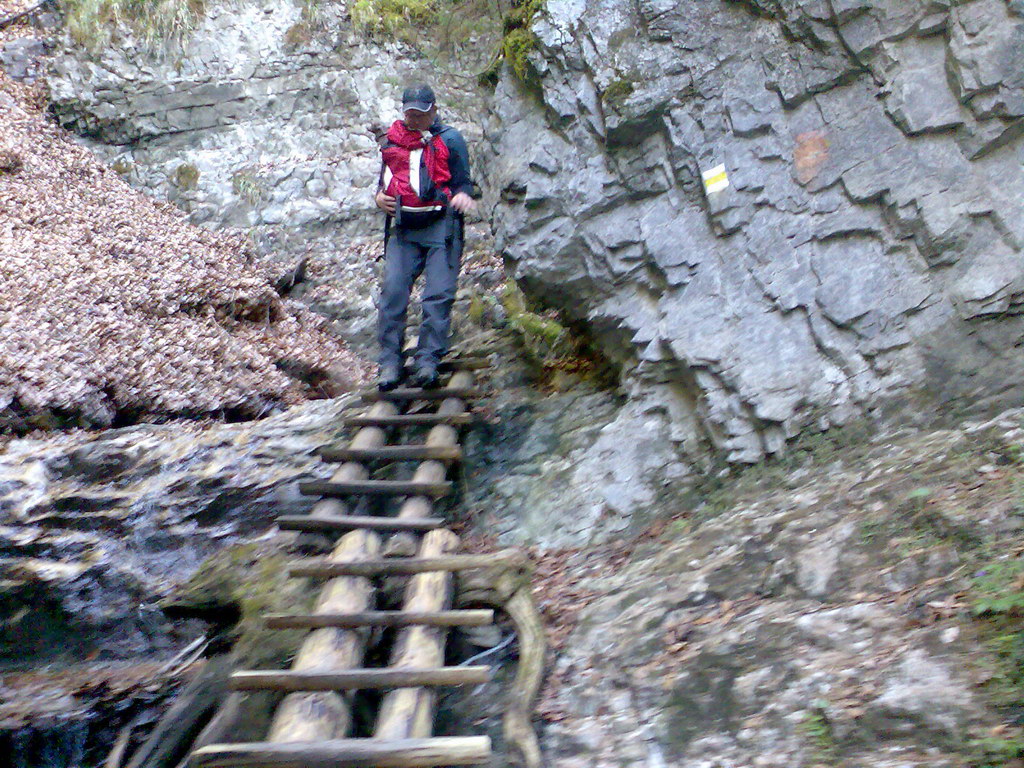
[{"x": 508, "y": 589}]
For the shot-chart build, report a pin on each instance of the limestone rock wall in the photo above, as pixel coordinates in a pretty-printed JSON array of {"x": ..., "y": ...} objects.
[
  {"x": 866, "y": 253},
  {"x": 260, "y": 118},
  {"x": 259, "y": 121}
]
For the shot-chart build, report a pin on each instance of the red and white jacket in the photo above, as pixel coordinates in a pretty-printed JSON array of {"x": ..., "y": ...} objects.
[{"x": 416, "y": 172}]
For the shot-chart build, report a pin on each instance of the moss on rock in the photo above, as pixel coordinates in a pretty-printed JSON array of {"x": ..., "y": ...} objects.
[
  {"x": 235, "y": 588},
  {"x": 186, "y": 176},
  {"x": 618, "y": 91},
  {"x": 393, "y": 18}
]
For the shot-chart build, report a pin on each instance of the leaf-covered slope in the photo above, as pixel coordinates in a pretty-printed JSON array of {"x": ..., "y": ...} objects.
[{"x": 111, "y": 303}]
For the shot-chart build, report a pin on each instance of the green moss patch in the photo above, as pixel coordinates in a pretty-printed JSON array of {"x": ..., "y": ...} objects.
[
  {"x": 393, "y": 18},
  {"x": 997, "y": 601},
  {"x": 186, "y": 176},
  {"x": 618, "y": 91},
  {"x": 517, "y": 42},
  {"x": 559, "y": 354},
  {"x": 235, "y": 588}
]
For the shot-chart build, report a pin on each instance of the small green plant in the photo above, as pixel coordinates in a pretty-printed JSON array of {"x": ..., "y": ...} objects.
[
  {"x": 999, "y": 589},
  {"x": 618, "y": 91},
  {"x": 678, "y": 528},
  {"x": 1017, "y": 490},
  {"x": 996, "y": 751},
  {"x": 247, "y": 185},
  {"x": 919, "y": 496},
  {"x": 997, "y": 601},
  {"x": 816, "y": 728},
  {"x": 122, "y": 166},
  {"x": 186, "y": 176},
  {"x": 871, "y": 530},
  {"x": 1015, "y": 453},
  {"x": 477, "y": 309}
]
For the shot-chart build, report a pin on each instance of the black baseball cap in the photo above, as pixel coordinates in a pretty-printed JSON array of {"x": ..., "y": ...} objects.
[{"x": 418, "y": 97}]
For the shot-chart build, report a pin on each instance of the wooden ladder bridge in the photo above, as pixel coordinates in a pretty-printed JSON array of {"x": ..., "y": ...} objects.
[{"x": 312, "y": 725}]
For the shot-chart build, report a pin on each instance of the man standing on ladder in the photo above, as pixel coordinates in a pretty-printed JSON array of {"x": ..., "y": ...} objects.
[{"x": 425, "y": 190}]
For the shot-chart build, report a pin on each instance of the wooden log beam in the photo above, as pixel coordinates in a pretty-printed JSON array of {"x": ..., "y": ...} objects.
[
  {"x": 311, "y": 716},
  {"x": 314, "y": 716},
  {"x": 403, "y": 566},
  {"x": 376, "y": 488},
  {"x": 353, "y": 522},
  {"x": 463, "y": 618},
  {"x": 394, "y": 453},
  {"x": 366, "y": 438},
  {"x": 356, "y": 679},
  {"x": 348, "y": 753},
  {"x": 409, "y": 712}
]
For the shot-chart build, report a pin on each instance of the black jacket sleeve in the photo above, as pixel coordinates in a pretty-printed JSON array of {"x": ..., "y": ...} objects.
[{"x": 458, "y": 160}]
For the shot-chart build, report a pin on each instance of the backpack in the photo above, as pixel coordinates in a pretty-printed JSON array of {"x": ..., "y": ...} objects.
[{"x": 415, "y": 171}]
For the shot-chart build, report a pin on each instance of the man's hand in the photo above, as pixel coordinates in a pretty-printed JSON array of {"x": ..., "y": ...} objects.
[
  {"x": 463, "y": 203},
  {"x": 385, "y": 202}
]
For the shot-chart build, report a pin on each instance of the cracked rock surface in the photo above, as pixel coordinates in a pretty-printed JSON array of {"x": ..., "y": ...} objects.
[{"x": 864, "y": 259}]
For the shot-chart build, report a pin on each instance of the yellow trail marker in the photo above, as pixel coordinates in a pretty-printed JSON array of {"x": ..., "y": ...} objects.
[{"x": 715, "y": 179}]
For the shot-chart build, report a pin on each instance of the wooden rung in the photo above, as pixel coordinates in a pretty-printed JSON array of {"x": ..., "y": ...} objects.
[
  {"x": 463, "y": 618},
  {"x": 410, "y": 420},
  {"x": 399, "y": 395},
  {"x": 468, "y": 363},
  {"x": 356, "y": 679},
  {"x": 347, "y": 753},
  {"x": 376, "y": 488},
  {"x": 394, "y": 453},
  {"x": 323, "y": 568},
  {"x": 353, "y": 523}
]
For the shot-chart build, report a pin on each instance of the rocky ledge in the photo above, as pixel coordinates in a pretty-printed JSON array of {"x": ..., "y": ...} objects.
[{"x": 856, "y": 606}]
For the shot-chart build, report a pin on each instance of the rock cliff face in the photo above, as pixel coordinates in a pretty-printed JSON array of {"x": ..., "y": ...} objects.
[
  {"x": 261, "y": 118},
  {"x": 866, "y": 252},
  {"x": 864, "y": 255}
]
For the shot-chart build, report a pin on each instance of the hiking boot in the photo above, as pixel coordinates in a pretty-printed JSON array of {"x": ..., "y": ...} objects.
[
  {"x": 390, "y": 377},
  {"x": 426, "y": 377}
]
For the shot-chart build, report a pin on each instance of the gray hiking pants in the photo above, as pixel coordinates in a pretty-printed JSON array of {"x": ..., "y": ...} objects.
[{"x": 410, "y": 253}]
